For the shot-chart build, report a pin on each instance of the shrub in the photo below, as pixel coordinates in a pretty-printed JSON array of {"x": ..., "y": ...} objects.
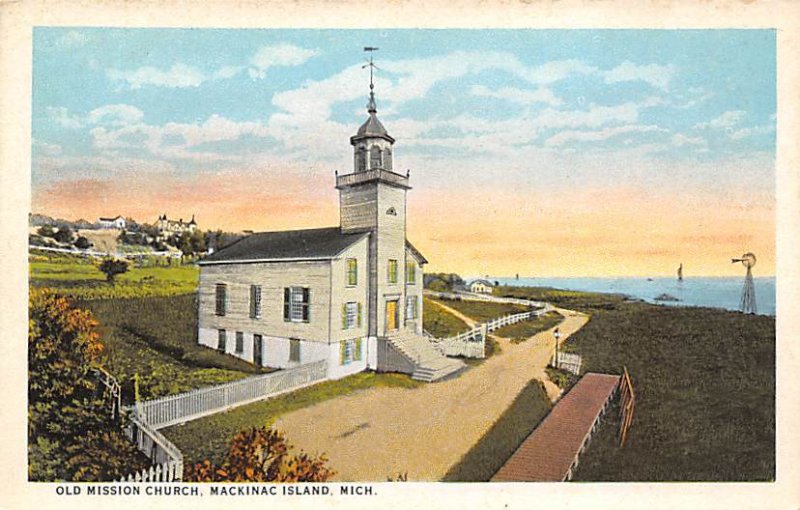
[
  {"x": 71, "y": 435},
  {"x": 82, "y": 243},
  {"x": 64, "y": 235},
  {"x": 113, "y": 267},
  {"x": 46, "y": 231},
  {"x": 261, "y": 455}
]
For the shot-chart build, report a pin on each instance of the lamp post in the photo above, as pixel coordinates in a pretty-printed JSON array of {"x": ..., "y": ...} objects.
[{"x": 557, "y": 336}]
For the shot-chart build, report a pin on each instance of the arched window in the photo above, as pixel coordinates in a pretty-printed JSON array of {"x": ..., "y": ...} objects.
[
  {"x": 361, "y": 159},
  {"x": 375, "y": 157},
  {"x": 387, "y": 159}
]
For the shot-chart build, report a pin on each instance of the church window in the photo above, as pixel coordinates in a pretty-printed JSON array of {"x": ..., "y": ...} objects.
[
  {"x": 387, "y": 159},
  {"x": 296, "y": 304},
  {"x": 255, "y": 301},
  {"x": 412, "y": 307},
  {"x": 392, "y": 271},
  {"x": 352, "y": 271},
  {"x": 294, "y": 350},
  {"x": 375, "y": 157},
  {"x": 361, "y": 159},
  {"x": 221, "y": 298},
  {"x": 411, "y": 272},
  {"x": 222, "y": 337},
  {"x": 351, "y": 315},
  {"x": 239, "y": 342}
]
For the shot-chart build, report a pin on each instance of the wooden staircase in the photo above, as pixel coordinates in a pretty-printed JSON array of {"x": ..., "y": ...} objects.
[{"x": 429, "y": 364}]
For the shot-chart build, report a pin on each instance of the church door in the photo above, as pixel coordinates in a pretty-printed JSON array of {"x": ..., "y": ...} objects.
[
  {"x": 257, "y": 358},
  {"x": 391, "y": 315}
]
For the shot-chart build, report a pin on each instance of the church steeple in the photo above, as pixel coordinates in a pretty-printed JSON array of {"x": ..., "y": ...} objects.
[{"x": 372, "y": 143}]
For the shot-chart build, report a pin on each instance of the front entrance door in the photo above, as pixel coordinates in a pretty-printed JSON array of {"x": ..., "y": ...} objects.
[
  {"x": 257, "y": 350},
  {"x": 391, "y": 315}
]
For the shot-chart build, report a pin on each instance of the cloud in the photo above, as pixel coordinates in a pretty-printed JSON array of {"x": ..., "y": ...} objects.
[
  {"x": 285, "y": 55},
  {"x": 727, "y": 120},
  {"x": 177, "y": 76},
  {"x": 539, "y": 95},
  {"x": 72, "y": 39},
  {"x": 655, "y": 75},
  {"x": 740, "y": 134},
  {"x": 597, "y": 136},
  {"x": 47, "y": 149},
  {"x": 110, "y": 115},
  {"x": 681, "y": 140}
]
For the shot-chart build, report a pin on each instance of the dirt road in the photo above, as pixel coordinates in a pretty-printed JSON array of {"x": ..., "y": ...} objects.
[{"x": 377, "y": 433}]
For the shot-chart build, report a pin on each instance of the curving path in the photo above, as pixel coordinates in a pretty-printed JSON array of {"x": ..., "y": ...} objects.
[{"x": 380, "y": 432}]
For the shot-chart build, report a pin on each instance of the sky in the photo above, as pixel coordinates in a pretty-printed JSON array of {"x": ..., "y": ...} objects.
[{"x": 538, "y": 152}]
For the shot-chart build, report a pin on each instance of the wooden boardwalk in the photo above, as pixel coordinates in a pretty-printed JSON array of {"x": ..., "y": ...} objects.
[{"x": 550, "y": 453}]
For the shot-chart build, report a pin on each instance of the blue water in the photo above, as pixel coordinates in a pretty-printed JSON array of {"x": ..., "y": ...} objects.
[{"x": 715, "y": 292}]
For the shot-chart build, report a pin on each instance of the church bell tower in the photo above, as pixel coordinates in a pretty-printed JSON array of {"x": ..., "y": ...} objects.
[{"x": 373, "y": 199}]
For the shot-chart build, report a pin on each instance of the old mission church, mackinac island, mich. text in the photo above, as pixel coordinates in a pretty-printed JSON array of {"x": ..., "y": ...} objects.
[{"x": 349, "y": 295}]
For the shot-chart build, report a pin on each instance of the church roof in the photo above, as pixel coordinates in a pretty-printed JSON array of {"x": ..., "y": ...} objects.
[
  {"x": 372, "y": 128},
  {"x": 419, "y": 256},
  {"x": 315, "y": 243}
]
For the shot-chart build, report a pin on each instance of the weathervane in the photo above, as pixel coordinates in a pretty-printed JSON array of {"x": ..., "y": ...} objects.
[{"x": 371, "y": 107}]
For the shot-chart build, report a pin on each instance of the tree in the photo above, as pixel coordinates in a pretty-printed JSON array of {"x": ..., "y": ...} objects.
[
  {"x": 82, "y": 243},
  {"x": 113, "y": 267},
  {"x": 46, "y": 231},
  {"x": 261, "y": 455},
  {"x": 71, "y": 433},
  {"x": 185, "y": 243},
  {"x": 198, "y": 242},
  {"x": 64, "y": 235}
]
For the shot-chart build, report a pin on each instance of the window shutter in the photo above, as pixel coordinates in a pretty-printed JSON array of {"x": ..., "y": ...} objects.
[
  {"x": 286, "y": 304},
  {"x": 358, "y": 345},
  {"x": 359, "y": 314},
  {"x": 344, "y": 315},
  {"x": 307, "y": 303},
  {"x": 342, "y": 349}
]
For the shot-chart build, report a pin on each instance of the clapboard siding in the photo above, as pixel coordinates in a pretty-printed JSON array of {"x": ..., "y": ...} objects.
[
  {"x": 358, "y": 207},
  {"x": 391, "y": 245},
  {"x": 273, "y": 278},
  {"x": 343, "y": 293},
  {"x": 415, "y": 289}
]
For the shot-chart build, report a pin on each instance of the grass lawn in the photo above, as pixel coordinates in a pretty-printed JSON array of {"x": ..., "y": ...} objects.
[
  {"x": 483, "y": 460},
  {"x": 79, "y": 277},
  {"x": 439, "y": 322},
  {"x": 705, "y": 388},
  {"x": 483, "y": 311},
  {"x": 523, "y": 330},
  {"x": 155, "y": 337},
  {"x": 209, "y": 437},
  {"x": 570, "y": 299}
]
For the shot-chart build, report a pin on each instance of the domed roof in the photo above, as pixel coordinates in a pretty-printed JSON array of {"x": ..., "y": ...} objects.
[{"x": 372, "y": 128}]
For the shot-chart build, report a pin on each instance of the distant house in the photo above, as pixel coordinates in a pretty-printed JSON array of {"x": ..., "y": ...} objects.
[
  {"x": 481, "y": 287},
  {"x": 168, "y": 228},
  {"x": 349, "y": 294},
  {"x": 117, "y": 223}
]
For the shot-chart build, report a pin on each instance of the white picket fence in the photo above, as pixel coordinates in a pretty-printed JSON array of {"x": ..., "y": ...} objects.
[
  {"x": 103, "y": 254},
  {"x": 171, "y": 410},
  {"x": 166, "y": 458},
  {"x": 571, "y": 362},
  {"x": 472, "y": 343},
  {"x": 473, "y": 296}
]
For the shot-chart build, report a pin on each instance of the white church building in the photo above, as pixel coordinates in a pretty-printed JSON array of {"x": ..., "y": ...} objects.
[{"x": 349, "y": 294}]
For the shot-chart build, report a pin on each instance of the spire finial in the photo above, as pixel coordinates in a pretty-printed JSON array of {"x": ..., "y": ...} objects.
[{"x": 371, "y": 106}]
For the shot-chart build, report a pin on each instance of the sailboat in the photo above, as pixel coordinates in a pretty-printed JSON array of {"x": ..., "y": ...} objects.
[{"x": 680, "y": 272}]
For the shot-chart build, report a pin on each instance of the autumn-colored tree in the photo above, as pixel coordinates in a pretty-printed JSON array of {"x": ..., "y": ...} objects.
[
  {"x": 261, "y": 455},
  {"x": 71, "y": 433}
]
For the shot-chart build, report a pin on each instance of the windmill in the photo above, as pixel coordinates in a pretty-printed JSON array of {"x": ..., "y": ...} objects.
[{"x": 748, "y": 303}]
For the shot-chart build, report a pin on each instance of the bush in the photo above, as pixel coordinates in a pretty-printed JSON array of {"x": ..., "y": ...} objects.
[
  {"x": 71, "y": 435},
  {"x": 64, "y": 235},
  {"x": 113, "y": 267},
  {"x": 82, "y": 243},
  {"x": 46, "y": 231},
  {"x": 261, "y": 455}
]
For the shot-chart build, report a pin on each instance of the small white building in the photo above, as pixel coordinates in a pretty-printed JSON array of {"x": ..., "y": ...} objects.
[
  {"x": 481, "y": 287},
  {"x": 117, "y": 222}
]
